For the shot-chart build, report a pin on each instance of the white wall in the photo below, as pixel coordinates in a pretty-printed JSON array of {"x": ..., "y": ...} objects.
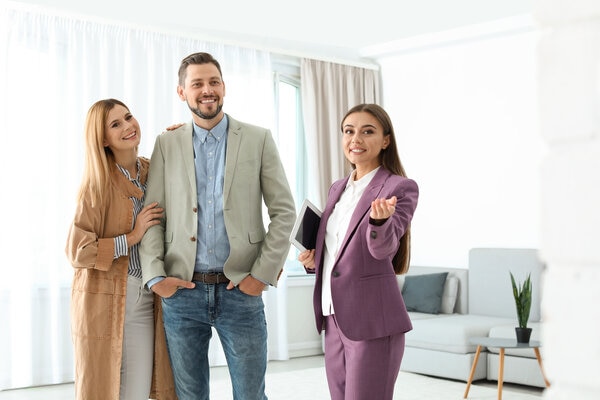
[{"x": 465, "y": 116}]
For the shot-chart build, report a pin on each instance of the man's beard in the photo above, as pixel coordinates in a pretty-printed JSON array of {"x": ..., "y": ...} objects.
[{"x": 206, "y": 116}]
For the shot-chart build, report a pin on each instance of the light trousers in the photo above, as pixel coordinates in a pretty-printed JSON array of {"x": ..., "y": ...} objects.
[{"x": 138, "y": 342}]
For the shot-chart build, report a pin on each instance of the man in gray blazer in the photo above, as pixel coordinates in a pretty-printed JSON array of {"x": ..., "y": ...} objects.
[{"x": 210, "y": 259}]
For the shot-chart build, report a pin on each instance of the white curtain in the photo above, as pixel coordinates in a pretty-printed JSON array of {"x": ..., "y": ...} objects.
[
  {"x": 52, "y": 68},
  {"x": 329, "y": 90}
]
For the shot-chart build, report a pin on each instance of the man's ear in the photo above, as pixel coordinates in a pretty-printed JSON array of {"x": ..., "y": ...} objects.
[{"x": 180, "y": 92}]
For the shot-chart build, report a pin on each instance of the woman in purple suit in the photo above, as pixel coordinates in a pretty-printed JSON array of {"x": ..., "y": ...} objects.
[{"x": 363, "y": 241}]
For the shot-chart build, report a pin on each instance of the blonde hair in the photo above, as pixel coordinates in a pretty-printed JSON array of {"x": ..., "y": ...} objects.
[{"x": 98, "y": 158}]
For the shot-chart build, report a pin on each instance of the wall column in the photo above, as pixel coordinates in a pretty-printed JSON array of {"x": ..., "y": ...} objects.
[{"x": 569, "y": 100}]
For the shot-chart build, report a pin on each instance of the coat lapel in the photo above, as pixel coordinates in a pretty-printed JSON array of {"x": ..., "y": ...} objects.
[
  {"x": 124, "y": 185},
  {"x": 186, "y": 147},
  {"x": 363, "y": 207},
  {"x": 234, "y": 138}
]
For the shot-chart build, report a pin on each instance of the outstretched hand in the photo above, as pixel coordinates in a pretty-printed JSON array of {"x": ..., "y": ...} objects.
[{"x": 383, "y": 208}]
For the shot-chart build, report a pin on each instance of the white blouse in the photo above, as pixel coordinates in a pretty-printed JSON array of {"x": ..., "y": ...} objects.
[{"x": 337, "y": 226}]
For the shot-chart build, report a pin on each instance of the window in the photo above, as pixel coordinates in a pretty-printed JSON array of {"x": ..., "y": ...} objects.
[{"x": 290, "y": 138}]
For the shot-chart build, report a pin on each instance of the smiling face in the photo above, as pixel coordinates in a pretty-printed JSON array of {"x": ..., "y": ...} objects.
[
  {"x": 363, "y": 141},
  {"x": 122, "y": 131},
  {"x": 203, "y": 91}
]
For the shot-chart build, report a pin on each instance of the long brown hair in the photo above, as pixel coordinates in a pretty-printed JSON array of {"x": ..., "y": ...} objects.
[
  {"x": 98, "y": 158},
  {"x": 390, "y": 160}
]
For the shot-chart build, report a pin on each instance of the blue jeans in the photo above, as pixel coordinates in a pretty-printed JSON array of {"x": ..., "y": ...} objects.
[{"x": 240, "y": 322}]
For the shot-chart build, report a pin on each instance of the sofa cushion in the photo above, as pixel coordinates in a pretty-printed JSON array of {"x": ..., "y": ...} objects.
[
  {"x": 450, "y": 294},
  {"x": 451, "y": 333},
  {"x": 423, "y": 293},
  {"x": 490, "y": 290},
  {"x": 461, "y": 274}
]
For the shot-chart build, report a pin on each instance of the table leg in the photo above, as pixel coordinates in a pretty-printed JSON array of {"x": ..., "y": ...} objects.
[
  {"x": 472, "y": 374},
  {"x": 539, "y": 358},
  {"x": 500, "y": 373}
]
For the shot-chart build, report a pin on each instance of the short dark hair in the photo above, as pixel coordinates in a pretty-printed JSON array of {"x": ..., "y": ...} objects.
[{"x": 195, "y": 59}]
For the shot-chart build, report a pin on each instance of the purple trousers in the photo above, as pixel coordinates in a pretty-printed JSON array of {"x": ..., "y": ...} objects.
[{"x": 361, "y": 370}]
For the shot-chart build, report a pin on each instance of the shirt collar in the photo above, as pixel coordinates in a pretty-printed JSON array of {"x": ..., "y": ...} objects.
[
  {"x": 362, "y": 182},
  {"x": 126, "y": 172},
  {"x": 219, "y": 131}
]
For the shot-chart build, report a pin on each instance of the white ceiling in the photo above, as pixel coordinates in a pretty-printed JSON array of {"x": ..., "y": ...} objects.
[{"x": 341, "y": 29}]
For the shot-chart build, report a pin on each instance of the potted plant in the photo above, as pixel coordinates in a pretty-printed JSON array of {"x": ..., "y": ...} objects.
[{"x": 522, "y": 295}]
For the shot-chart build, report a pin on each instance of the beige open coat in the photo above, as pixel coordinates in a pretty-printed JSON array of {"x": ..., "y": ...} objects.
[{"x": 98, "y": 295}]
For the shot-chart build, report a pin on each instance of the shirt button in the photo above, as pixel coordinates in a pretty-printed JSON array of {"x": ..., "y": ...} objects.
[{"x": 373, "y": 235}]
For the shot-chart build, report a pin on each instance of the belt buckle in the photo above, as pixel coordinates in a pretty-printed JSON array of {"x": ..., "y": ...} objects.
[
  {"x": 211, "y": 278},
  {"x": 206, "y": 278}
]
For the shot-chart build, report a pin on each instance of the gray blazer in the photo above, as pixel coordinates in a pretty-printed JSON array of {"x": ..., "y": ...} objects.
[{"x": 253, "y": 172}]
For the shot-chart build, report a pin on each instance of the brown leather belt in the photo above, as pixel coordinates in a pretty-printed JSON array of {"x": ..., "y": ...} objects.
[{"x": 210, "y": 278}]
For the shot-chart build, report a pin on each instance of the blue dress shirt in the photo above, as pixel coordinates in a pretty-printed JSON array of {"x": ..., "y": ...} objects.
[{"x": 209, "y": 158}]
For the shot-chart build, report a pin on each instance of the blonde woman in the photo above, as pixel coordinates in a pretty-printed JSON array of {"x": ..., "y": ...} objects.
[{"x": 117, "y": 331}]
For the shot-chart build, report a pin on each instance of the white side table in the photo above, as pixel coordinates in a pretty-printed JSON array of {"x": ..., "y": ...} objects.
[{"x": 503, "y": 344}]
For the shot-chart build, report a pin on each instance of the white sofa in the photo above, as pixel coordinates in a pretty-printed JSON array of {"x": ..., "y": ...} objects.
[{"x": 439, "y": 344}]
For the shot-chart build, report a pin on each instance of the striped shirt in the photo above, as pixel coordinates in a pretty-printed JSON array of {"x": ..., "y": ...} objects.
[{"x": 121, "y": 248}]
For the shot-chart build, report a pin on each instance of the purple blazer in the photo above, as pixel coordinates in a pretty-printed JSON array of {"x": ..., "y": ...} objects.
[{"x": 366, "y": 297}]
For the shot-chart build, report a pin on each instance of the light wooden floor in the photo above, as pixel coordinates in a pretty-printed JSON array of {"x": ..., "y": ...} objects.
[{"x": 304, "y": 379}]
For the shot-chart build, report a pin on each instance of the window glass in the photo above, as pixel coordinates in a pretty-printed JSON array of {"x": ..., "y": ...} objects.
[{"x": 290, "y": 136}]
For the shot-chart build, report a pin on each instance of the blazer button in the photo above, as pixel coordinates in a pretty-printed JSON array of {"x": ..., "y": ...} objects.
[
  {"x": 195, "y": 209},
  {"x": 336, "y": 274},
  {"x": 373, "y": 235},
  {"x": 193, "y": 238}
]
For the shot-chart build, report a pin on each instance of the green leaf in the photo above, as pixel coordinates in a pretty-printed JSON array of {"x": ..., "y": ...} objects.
[{"x": 522, "y": 296}]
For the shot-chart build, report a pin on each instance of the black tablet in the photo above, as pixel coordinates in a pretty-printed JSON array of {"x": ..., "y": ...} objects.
[{"x": 304, "y": 233}]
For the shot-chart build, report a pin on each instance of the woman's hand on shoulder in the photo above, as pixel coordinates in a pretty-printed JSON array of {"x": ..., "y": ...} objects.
[{"x": 174, "y": 126}]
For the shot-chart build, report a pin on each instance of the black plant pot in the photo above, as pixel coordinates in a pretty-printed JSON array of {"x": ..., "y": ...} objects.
[{"x": 523, "y": 335}]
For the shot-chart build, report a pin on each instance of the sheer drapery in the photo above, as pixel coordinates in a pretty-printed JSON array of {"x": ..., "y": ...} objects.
[
  {"x": 52, "y": 68},
  {"x": 328, "y": 91}
]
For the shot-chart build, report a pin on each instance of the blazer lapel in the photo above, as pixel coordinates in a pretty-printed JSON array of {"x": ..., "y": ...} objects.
[
  {"x": 234, "y": 138},
  {"x": 188, "y": 153},
  {"x": 332, "y": 198},
  {"x": 364, "y": 205}
]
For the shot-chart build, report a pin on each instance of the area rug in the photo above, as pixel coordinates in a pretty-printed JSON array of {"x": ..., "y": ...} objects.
[{"x": 311, "y": 384}]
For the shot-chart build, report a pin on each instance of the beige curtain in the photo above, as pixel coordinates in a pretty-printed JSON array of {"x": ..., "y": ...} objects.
[{"x": 329, "y": 90}]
